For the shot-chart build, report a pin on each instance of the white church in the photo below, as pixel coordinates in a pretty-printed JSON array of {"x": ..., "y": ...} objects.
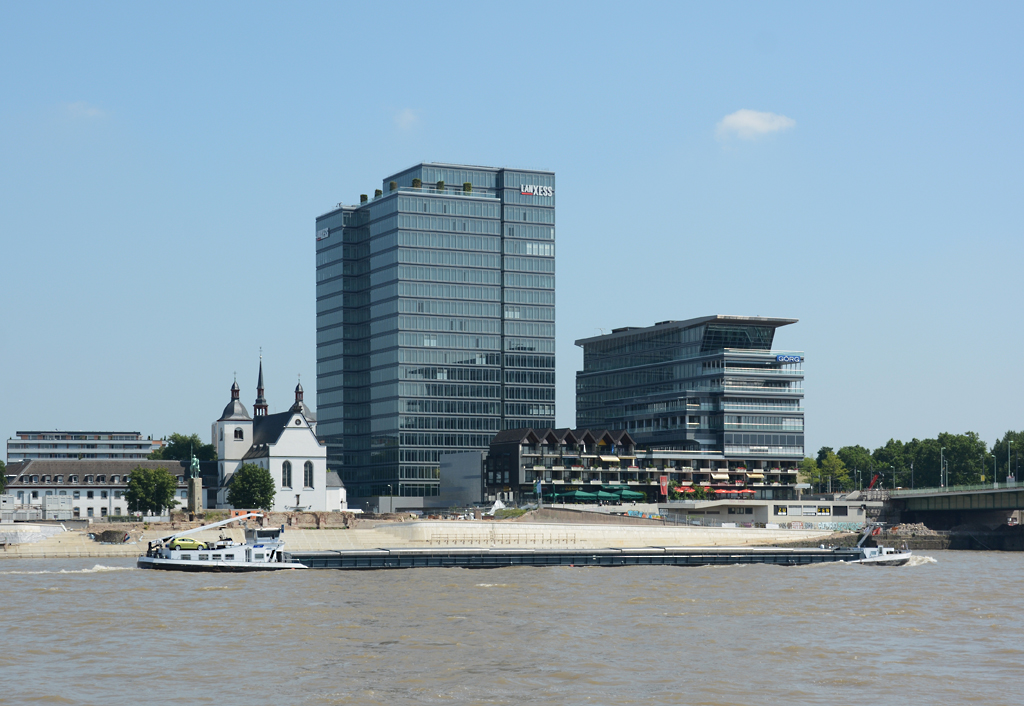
[{"x": 286, "y": 445}]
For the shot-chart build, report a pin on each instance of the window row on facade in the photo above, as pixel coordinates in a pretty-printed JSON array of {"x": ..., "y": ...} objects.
[
  {"x": 481, "y": 208},
  {"x": 479, "y": 423},
  {"x": 307, "y": 475}
]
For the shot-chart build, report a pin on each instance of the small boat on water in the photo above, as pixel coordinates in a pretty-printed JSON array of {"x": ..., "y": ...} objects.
[
  {"x": 262, "y": 551},
  {"x": 881, "y": 556}
]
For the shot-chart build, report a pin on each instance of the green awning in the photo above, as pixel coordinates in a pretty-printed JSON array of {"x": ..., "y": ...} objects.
[
  {"x": 622, "y": 491},
  {"x": 578, "y": 495}
]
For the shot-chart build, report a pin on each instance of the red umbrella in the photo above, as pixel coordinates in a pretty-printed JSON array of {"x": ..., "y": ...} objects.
[{"x": 746, "y": 490}]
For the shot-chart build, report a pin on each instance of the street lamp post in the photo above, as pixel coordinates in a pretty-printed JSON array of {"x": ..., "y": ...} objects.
[
  {"x": 1009, "y": 450},
  {"x": 942, "y": 464},
  {"x": 893, "y": 476}
]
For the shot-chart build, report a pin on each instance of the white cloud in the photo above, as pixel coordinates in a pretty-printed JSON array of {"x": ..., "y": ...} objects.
[
  {"x": 750, "y": 124},
  {"x": 81, "y": 109},
  {"x": 406, "y": 119}
]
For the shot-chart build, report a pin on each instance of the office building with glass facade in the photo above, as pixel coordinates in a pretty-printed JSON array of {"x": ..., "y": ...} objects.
[
  {"x": 435, "y": 321},
  {"x": 711, "y": 385}
]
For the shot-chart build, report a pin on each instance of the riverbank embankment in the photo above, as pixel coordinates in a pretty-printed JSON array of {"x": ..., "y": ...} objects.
[{"x": 433, "y": 533}]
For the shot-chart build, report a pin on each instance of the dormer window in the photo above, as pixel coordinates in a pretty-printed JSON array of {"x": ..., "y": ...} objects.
[
  {"x": 101, "y": 479},
  {"x": 239, "y": 434},
  {"x": 88, "y": 479},
  {"x": 73, "y": 478},
  {"x": 59, "y": 479}
]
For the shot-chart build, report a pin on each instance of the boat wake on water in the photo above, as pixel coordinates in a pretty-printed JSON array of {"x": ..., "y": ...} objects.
[{"x": 99, "y": 568}]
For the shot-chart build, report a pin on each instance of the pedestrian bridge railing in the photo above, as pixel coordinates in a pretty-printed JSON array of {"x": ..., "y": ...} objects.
[{"x": 906, "y": 492}]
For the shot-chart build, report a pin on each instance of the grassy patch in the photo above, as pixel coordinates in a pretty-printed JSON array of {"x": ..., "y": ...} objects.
[{"x": 506, "y": 513}]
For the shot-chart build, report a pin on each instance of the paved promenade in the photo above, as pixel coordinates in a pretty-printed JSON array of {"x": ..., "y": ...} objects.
[{"x": 436, "y": 534}]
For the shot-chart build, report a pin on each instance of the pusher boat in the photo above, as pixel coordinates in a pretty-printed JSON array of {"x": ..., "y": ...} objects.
[{"x": 262, "y": 551}]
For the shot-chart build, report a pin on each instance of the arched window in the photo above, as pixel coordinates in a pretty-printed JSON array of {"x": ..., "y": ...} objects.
[
  {"x": 307, "y": 474},
  {"x": 238, "y": 433},
  {"x": 286, "y": 474}
]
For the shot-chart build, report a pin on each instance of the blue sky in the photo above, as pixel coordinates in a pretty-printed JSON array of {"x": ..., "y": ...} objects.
[{"x": 162, "y": 167}]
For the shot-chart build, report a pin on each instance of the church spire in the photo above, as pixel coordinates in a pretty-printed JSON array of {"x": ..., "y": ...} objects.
[{"x": 259, "y": 407}]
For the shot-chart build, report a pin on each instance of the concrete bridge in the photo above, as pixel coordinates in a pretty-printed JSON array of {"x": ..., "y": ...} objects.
[{"x": 941, "y": 508}]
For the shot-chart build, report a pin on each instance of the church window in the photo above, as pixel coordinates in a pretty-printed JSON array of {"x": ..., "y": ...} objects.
[
  {"x": 307, "y": 474},
  {"x": 286, "y": 474},
  {"x": 238, "y": 433},
  {"x": 222, "y": 433}
]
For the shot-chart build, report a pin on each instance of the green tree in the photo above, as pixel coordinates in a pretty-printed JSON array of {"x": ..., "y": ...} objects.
[
  {"x": 834, "y": 470},
  {"x": 892, "y": 459},
  {"x": 1007, "y": 455},
  {"x": 965, "y": 456},
  {"x": 151, "y": 490},
  {"x": 808, "y": 470},
  {"x": 822, "y": 453},
  {"x": 251, "y": 487},
  {"x": 3, "y": 476},
  {"x": 922, "y": 455},
  {"x": 179, "y": 446},
  {"x": 857, "y": 460}
]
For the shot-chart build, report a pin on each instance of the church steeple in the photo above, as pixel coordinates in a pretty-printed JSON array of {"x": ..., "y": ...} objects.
[{"x": 259, "y": 407}]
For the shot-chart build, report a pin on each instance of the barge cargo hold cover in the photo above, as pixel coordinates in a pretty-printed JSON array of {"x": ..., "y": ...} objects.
[{"x": 487, "y": 558}]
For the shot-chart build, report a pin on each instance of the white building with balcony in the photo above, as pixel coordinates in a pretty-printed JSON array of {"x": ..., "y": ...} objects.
[{"x": 84, "y": 445}]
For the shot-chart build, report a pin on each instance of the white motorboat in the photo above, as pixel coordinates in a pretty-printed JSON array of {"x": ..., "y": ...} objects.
[
  {"x": 262, "y": 551},
  {"x": 881, "y": 556}
]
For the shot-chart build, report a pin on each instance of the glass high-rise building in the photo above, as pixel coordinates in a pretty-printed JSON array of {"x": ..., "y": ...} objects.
[
  {"x": 712, "y": 384},
  {"x": 435, "y": 321}
]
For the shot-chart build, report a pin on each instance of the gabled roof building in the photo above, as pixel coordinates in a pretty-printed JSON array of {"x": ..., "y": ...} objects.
[{"x": 285, "y": 443}]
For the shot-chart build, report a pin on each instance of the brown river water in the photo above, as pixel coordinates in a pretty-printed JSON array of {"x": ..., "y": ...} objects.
[{"x": 946, "y": 630}]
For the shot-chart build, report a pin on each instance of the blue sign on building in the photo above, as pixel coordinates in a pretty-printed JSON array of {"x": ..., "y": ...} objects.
[{"x": 789, "y": 359}]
